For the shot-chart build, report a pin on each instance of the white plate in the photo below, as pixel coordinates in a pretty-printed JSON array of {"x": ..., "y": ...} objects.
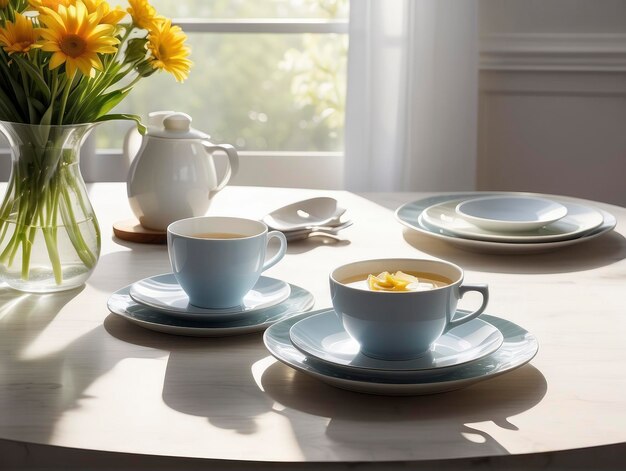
[
  {"x": 579, "y": 220},
  {"x": 514, "y": 213},
  {"x": 120, "y": 303},
  {"x": 409, "y": 215},
  {"x": 518, "y": 348},
  {"x": 163, "y": 293},
  {"x": 323, "y": 337}
]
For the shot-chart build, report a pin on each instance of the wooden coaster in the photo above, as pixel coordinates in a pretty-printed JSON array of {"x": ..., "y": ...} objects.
[{"x": 132, "y": 231}]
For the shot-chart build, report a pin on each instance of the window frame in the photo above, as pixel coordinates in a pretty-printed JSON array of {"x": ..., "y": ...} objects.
[
  {"x": 269, "y": 25},
  {"x": 331, "y": 162},
  {"x": 276, "y": 158}
]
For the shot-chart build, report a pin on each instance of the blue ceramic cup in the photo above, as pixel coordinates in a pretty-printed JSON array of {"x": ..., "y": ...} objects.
[
  {"x": 217, "y": 260},
  {"x": 400, "y": 325}
]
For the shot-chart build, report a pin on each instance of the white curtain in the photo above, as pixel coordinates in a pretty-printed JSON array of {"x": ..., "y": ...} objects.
[{"x": 411, "y": 118}]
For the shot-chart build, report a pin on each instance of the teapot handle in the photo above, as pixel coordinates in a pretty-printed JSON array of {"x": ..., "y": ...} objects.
[{"x": 233, "y": 161}]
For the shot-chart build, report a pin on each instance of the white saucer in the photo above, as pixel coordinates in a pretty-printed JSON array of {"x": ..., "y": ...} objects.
[
  {"x": 518, "y": 348},
  {"x": 323, "y": 337},
  {"x": 514, "y": 213},
  {"x": 410, "y": 214},
  {"x": 579, "y": 220},
  {"x": 163, "y": 293},
  {"x": 120, "y": 303}
]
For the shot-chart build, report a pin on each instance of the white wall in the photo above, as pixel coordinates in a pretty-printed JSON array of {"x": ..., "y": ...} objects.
[
  {"x": 552, "y": 114},
  {"x": 552, "y": 16}
]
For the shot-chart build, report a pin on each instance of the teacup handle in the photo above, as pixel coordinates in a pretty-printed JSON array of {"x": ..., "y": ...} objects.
[
  {"x": 281, "y": 251},
  {"x": 233, "y": 161},
  {"x": 482, "y": 289}
]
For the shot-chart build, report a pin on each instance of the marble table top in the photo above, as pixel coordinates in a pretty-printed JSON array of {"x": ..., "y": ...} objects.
[{"x": 75, "y": 377}]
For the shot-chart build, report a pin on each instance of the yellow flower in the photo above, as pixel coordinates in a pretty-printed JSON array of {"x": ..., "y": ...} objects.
[
  {"x": 19, "y": 36},
  {"x": 109, "y": 16},
  {"x": 52, "y": 4},
  {"x": 75, "y": 38},
  {"x": 167, "y": 45},
  {"x": 144, "y": 15}
]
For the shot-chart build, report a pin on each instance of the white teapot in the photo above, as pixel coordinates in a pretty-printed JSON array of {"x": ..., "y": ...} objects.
[{"x": 173, "y": 175}]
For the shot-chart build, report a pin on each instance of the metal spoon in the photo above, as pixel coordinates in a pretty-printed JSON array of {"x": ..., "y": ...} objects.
[{"x": 311, "y": 231}]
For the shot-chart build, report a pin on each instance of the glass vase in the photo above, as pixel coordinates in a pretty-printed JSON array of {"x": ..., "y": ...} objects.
[{"x": 49, "y": 234}]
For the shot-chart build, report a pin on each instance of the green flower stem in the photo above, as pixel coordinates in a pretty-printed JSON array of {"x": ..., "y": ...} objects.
[
  {"x": 66, "y": 94},
  {"x": 19, "y": 239},
  {"x": 49, "y": 234},
  {"x": 27, "y": 248},
  {"x": 58, "y": 198},
  {"x": 82, "y": 109},
  {"x": 25, "y": 84},
  {"x": 49, "y": 230},
  {"x": 133, "y": 83},
  {"x": 6, "y": 210},
  {"x": 45, "y": 183},
  {"x": 111, "y": 61},
  {"x": 73, "y": 231},
  {"x": 10, "y": 250},
  {"x": 46, "y": 119}
]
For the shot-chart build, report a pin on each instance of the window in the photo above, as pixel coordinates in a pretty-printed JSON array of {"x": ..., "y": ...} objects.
[{"x": 269, "y": 77}]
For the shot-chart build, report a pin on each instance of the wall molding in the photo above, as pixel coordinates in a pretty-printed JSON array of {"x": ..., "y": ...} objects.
[
  {"x": 553, "y": 52},
  {"x": 552, "y": 83}
]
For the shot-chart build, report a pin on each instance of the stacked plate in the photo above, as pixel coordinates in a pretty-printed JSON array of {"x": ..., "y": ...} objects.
[
  {"x": 317, "y": 344},
  {"x": 159, "y": 303},
  {"x": 506, "y": 222}
]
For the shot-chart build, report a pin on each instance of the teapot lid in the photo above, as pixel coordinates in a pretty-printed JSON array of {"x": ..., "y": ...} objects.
[
  {"x": 155, "y": 118},
  {"x": 177, "y": 126}
]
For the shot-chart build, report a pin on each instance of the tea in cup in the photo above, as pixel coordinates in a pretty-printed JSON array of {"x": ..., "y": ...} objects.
[
  {"x": 218, "y": 260},
  {"x": 396, "y": 309}
]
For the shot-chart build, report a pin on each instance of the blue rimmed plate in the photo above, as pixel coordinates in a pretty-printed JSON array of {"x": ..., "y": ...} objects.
[
  {"x": 411, "y": 215},
  {"x": 323, "y": 337},
  {"x": 580, "y": 220},
  {"x": 120, "y": 303},
  {"x": 518, "y": 348}
]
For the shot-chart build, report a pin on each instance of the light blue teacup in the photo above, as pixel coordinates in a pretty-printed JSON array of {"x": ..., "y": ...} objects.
[
  {"x": 400, "y": 325},
  {"x": 217, "y": 260}
]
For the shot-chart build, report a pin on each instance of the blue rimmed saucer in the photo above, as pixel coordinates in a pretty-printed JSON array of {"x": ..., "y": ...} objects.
[
  {"x": 518, "y": 348},
  {"x": 163, "y": 293},
  {"x": 120, "y": 303},
  {"x": 323, "y": 338}
]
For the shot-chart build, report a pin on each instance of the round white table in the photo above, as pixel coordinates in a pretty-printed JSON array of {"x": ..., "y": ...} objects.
[{"x": 80, "y": 387}]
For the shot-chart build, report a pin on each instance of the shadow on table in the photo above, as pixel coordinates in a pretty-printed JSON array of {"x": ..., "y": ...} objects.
[
  {"x": 224, "y": 392},
  {"x": 43, "y": 380},
  {"x": 40, "y": 376},
  {"x": 605, "y": 250},
  {"x": 312, "y": 243},
  {"x": 232, "y": 382},
  {"x": 246, "y": 383},
  {"x": 234, "y": 391},
  {"x": 137, "y": 245},
  {"x": 362, "y": 423},
  {"x": 118, "y": 269}
]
